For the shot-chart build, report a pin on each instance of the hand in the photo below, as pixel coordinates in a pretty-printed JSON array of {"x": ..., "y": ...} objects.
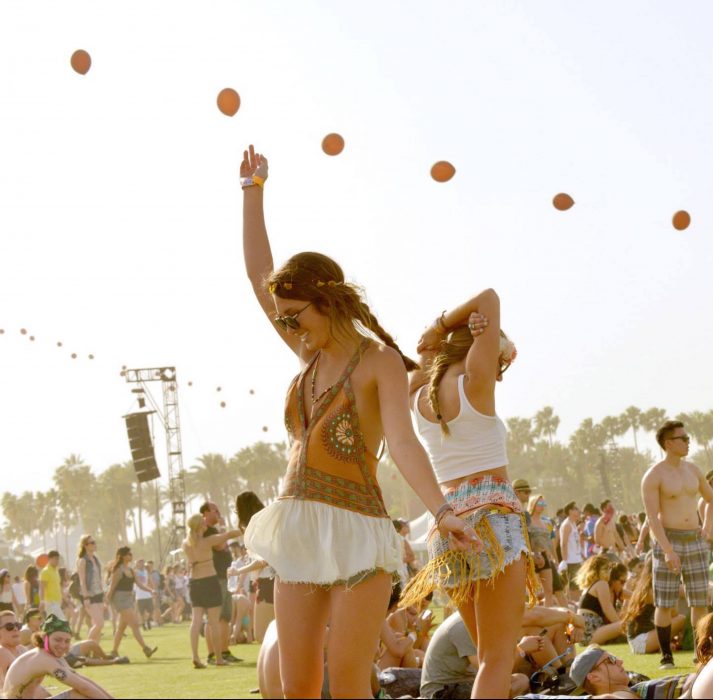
[
  {"x": 672, "y": 561},
  {"x": 430, "y": 341},
  {"x": 576, "y": 633},
  {"x": 253, "y": 164},
  {"x": 531, "y": 643},
  {"x": 477, "y": 323},
  {"x": 459, "y": 534}
]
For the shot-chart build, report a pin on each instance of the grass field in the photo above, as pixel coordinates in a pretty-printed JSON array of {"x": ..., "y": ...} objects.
[{"x": 170, "y": 674}]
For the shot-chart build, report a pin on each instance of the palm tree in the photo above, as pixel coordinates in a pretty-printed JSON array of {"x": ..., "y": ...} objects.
[
  {"x": 546, "y": 423},
  {"x": 46, "y": 522},
  {"x": 700, "y": 425},
  {"x": 613, "y": 427},
  {"x": 259, "y": 467},
  {"x": 520, "y": 435},
  {"x": 208, "y": 479},
  {"x": 74, "y": 482},
  {"x": 631, "y": 418},
  {"x": 115, "y": 499},
  {"x": 652, "y": 419}
]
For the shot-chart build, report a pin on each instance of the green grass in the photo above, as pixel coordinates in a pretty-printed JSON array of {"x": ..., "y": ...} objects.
[{"x": 170, "y": 674}]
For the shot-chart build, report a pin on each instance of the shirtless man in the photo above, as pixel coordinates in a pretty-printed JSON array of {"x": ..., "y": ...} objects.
[
  {"x": 10, "y": 647},
  {"x": 670, "y": 490},
  {"x": 24, "y": 677},
  {"x": 605, "y": 534}
]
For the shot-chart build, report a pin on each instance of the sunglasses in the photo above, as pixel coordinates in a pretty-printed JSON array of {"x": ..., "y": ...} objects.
[
  {"x": 608, "y": 659},
  {"x": 12, "y": 626},
  {"x": 91, "y": 542},
  {"x": 291, "y": 322},
  {"x": 685, "y": 438}
]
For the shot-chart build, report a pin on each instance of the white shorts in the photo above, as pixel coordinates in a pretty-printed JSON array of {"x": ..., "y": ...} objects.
[{"x": 638, "y": 643}]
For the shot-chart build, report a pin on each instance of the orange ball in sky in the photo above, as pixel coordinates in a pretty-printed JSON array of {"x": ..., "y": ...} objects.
[
  {"x": 32, "y": 337},
  {"x": 681, "y": 220},
  {"x": 562, "y": 201},
  {"x": 218, "y": 388},
  {"x": 442, "y": 171},
  {"x": 81, "y": 61},
  {"x": 332, "y": 144},
  {"x": 91, "y": 357},
  {"x": 23, "y": 331},
  {"x": 264, "y": 428},
  {"x": 59, "y": 343},
  {"x": 228, "y": 102},
  {"x": 41, "y": 561},
  {"x": 222, "y": 404}
]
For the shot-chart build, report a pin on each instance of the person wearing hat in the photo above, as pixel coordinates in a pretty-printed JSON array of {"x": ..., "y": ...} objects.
[
  {"x": 28, "y": 671},
  {"x": 600, "y": 673}
]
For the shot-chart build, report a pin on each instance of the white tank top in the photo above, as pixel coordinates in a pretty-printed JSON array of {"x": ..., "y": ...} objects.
[{"x": 477, "y": 442}]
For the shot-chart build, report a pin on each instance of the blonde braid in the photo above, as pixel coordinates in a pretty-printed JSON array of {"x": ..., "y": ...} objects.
[{"x": 438, "y": 368}]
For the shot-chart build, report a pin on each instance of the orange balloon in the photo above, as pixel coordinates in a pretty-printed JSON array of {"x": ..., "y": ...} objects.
[
  {"x": 264, "y": 428},
  {"x": 332, "y": 144},
  {"x": 81, "y": 61},
  {"x": 252, "y": 391},
  {"x": 562, "y": 201},
  {"x": 41, "y": 561},
  {"x": 2, "y": 330},
  {"x": 32, "y": 337},
  {"x": 217, "y": 388},
  {"x": 442, "y": 171},
  {"x": 681, "y": 220},
  {"x": 123, "y": 366},
  {"x": 122, "y": 374},
  {"x": 23, "y": 331},
  {"x": 59, "y": 343},
  {"x": 228, "y": 102},
  {"x": 91, "y": 357},
  {"x": 222, "y": 404},
  {"x": 74, "y": 355},
  {"x": 190, "y": 383}
]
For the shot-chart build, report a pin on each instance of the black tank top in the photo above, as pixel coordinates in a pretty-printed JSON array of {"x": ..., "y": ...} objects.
[
  {"x": 126, "y": 583},
  {"x": 590, "y": 602}
]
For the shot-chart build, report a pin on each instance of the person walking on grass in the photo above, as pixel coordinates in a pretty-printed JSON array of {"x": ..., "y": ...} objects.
[{"x": 121, "y": 596}]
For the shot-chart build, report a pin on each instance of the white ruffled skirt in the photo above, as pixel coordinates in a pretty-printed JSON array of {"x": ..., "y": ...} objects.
[{"x": 312, "y": 542}]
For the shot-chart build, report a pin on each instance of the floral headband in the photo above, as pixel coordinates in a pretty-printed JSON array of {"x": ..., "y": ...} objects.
[
  {"x": 508, "y": 351},
  {"x": 272, "y": 287}
]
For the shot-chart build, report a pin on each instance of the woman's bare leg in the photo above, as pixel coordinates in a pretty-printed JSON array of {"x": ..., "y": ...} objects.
[
  {"x": 498, "y": 611},
  {"x": 118, "y": 636},
  {"x": 546, "y": 578},
  {"x": 607, "y": 632},
  {"x": 195, "y": 632},
  {"x": 301, "y": 614},
  {"x": 96, "y": 615},
  {"x": 132, "y": 621},
  {"x": 356, "y": 615}
]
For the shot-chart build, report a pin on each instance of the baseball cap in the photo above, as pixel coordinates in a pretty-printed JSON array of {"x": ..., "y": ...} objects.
[
  {"x": 584, "y": 663},
  {"x": 521, "y": 485}
]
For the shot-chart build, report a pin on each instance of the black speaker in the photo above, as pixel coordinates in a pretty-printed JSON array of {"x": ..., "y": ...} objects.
[{"x": 142, "y": 454}]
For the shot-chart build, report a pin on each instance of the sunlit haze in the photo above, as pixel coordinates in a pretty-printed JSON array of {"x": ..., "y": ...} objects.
[{"x": 120, "y": 206}]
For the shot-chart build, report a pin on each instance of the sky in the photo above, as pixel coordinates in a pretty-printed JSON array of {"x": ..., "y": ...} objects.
[{"x": 120, "y": 207}]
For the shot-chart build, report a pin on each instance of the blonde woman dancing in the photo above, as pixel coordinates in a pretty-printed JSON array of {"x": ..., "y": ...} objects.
[
  {"x": 328, "y": 536},
  {"x": 464, "y": 354}
]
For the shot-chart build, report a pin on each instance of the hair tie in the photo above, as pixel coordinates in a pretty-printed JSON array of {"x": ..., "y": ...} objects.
[{"x": 320, "y": 283}]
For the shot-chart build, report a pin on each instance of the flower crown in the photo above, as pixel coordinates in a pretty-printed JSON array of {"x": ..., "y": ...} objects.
[
  {"x": 272, "y": 287},
  {"x": 508, "y": 351}
]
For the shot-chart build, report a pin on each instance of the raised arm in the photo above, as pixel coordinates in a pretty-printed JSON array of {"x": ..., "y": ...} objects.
[
  {"x": 221, "y": 537},
  {"x": 707, "y": 494},
  {"x": 256, "y": 244}
]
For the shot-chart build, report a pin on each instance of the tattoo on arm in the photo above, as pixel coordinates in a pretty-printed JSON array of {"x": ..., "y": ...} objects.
[{"x": 60, "y": 674}]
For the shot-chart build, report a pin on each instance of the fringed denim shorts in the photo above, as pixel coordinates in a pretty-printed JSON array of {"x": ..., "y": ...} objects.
[{"x": 489, "y": 505}]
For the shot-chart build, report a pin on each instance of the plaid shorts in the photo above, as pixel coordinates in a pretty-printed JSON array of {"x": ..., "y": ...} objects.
[{"x": 692, "y": 550}]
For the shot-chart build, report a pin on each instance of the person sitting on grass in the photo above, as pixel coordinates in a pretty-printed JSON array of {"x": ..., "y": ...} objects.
[
  {"x": 32, "y": 620},
  {"x": 638, "y": 617},
  {"x": 597, "y": 602},
  {"x": 395, "y": 650},
  {"x": 89, "y": 653},
  {"x": 10, "y": 646},
  {"x": 25, "y": 675}
]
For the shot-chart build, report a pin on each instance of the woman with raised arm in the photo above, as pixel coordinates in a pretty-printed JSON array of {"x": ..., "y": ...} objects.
[
  {"x": 328, "y": 536},
  {"x": 464, "y": 354}
]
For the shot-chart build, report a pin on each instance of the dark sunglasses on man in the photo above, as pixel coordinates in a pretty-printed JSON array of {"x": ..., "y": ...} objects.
[
  {"x": 685, "y": 438},
  {"x": 12, "y": 626},
  {"x": 291, "y": 322}
]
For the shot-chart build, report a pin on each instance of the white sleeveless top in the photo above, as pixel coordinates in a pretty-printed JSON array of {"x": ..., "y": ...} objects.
[{"x": 477, "y": 442}]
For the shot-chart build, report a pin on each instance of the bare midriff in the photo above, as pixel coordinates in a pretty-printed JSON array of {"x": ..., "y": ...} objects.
[{"x": 500, "y": 472}]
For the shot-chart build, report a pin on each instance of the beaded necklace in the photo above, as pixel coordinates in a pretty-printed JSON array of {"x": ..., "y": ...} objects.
[{"x": 312, "y": 383}]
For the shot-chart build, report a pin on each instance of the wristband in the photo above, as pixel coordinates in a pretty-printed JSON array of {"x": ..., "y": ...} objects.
[
  {"x": 246, "y": 182},
  {"x": 442, "y": 511}
]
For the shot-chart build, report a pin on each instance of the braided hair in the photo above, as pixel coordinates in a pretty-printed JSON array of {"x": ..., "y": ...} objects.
[{"x": 318, "y": 279}]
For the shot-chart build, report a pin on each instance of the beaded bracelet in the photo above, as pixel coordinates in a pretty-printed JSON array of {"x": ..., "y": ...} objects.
[
  {"x": 442, "y": 511},
  {"x": 441, "y": 324}
]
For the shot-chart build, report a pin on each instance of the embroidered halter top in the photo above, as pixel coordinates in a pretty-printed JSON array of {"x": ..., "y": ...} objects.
[{"x": 329, "y": 461}]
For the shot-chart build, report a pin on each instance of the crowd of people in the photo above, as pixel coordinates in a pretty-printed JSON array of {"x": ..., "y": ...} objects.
[{"x": 328, "y": 583}]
